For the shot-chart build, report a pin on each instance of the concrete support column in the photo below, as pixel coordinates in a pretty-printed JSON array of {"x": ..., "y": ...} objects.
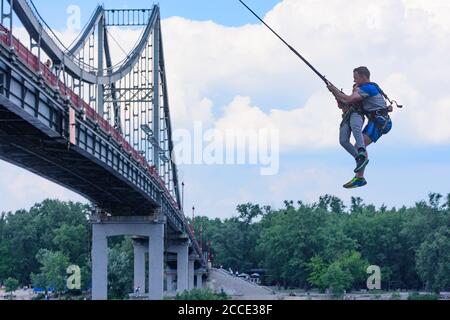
[
  {"x": 141, "y": 227},
  {"x": 182, "y": 267},
  {"x": 156, "y": 262},
  {"x": 199, "y": 281},
  {"x": 169, "y": 282},
  {"x": 139, "y": 264},
  {"x": 182, "y": 251},
  {"x": 99, "y": 263},
  {"x": 191, "y": 274}
]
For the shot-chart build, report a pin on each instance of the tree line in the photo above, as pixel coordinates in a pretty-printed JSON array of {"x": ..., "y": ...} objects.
[
  {"x": 325, "y": 245},
  {"x": 38, "y": 245},
  {"x": 322, "y": 245}
]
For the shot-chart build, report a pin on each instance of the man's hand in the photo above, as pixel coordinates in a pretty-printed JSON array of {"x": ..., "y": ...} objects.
[
  {"x": 342, "y": 98},
  {"x": 332, "y": 88}
]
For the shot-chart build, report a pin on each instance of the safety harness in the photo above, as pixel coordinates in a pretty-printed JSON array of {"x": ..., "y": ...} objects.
[
  {"x": 391, "y": 102},
  {"x": 350, "y": 110},
  {"x": 379, "y": 117}
]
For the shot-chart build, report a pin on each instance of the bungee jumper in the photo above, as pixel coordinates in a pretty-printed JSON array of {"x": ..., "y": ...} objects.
[{"x": 366, "y": 100}]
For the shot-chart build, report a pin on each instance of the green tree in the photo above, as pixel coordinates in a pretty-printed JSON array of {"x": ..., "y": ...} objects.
[
  {"x": 72, "y": 240},
  {"x": 233, "y": 240},
  {"x": 53, "y": 270},
  {"x": 317, "y": 269},
  {"x": 331, "y": 203},
  {"x": 433, "y": 260},
  {"x": 120, "y": 269},
  {"x": 24, "y": 233},
  {"x": 337, "y": 279},
  {"x": 356, "y": 265},
  {"x": 11, "y": 285},
  {"x": 357, "y": 205},
  {"x": 7, "y": 259},
  {"x": 201, "y": 294},
  {"x": 344, "y": 273},
  {"x": 289, "y": 239}
]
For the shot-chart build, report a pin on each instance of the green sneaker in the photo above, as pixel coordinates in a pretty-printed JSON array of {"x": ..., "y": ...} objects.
[
  {"x": 355, "y": 183},
  {"x": 361, "y": 162}
]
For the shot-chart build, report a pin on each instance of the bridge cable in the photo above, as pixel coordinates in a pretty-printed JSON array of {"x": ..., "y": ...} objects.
[
  {"x": 114, "y": 39},
  {"x": 64, "y": 47},
  {"x": 48, "y": 27},
  {"x": 123, "y": 50}
]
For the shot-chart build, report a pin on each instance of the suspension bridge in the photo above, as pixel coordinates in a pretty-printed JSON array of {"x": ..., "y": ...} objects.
[{"x": 101, "y": 128}]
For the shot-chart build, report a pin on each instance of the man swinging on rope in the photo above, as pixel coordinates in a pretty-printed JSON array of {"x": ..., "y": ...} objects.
[{"x": 368, "y": 100}]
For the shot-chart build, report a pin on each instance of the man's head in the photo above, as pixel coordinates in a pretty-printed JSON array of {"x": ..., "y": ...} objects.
[{"x": 361, "y": 75}]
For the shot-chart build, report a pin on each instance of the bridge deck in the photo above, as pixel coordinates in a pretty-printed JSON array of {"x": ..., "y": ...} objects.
[
  {"x": 26, "y": 146},
  {"x": 34, "y": 121}
]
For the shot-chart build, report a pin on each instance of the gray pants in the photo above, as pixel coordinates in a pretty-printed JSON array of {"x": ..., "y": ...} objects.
[{"x": 353, "y": 125}]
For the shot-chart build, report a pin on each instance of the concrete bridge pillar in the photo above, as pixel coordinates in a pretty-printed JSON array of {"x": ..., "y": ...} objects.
[
  {"x": 156, "y": 262},
  {"x": 99, "y": 263},
  {"x": 182, "y": 251},
  {"x": 199, "y": 280},
  {"x": 142, "y": 227},
  {"x": 191, "y": 274},
  {"x": 140, "y": 248},
  {"x": 169, "y": 282}
]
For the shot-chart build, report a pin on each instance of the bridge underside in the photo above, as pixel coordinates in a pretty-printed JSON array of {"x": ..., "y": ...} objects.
[{"x": 24, "y": 144}]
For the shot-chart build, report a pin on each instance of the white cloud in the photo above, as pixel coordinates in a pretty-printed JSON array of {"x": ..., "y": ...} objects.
[
  {"x": 437, "y": 10},
  {"x": 308, "y": 127},
  {"x": 404, "y": 43},
  {"x": 22, "y": 189},
  {"x": 401, "y": 41}
]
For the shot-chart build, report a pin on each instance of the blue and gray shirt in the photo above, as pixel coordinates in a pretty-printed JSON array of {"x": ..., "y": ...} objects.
[{"x": 373, "y": 100}]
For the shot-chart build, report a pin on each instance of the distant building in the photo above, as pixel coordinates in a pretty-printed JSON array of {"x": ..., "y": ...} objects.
[
  {"x": 244, "y": 276},
  {"x": 255, "y": 278}
]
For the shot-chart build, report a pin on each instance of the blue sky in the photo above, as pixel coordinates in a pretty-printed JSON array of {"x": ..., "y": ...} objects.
[
  {"x": 225, "y": 12},
  {"x": 238, "y": 75}
]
